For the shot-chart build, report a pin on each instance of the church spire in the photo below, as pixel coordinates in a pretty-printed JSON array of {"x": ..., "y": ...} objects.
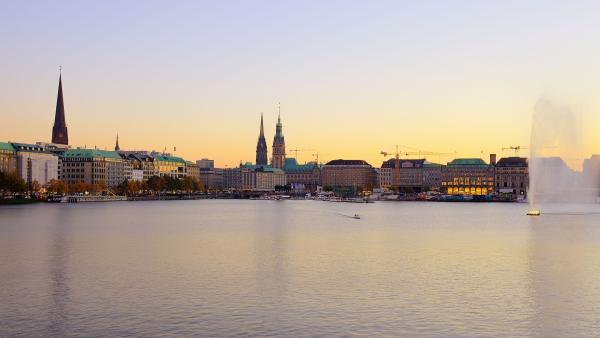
[
  {"x": 117, "y": 148},
  {"x": 261, "y": 145},
  {"x": 262, "y": 128},
  {"x": 59, "y": 130}
]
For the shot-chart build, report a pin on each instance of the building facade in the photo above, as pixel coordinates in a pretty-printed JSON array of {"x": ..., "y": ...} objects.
[
  {"x": 211, "y": 178},
  {"x": 8, "y": 158},
  {"x": 355, "y": 174},
  {"x": 144, "y": 162},
  {"x": 92, "y": 166},
  {"x": 432, "y": 176},
  {"x": 192, "y": 170},
  {"x": 512, "y": 176},
  {"x": 34, "y": 164},
  {"x": 410, "y": 174},
  {"x": 302, "y": 177},
  {"x": 210, "y": 164},
  {"x": 468, "y": 176},
  {"x": 171, "y": 166},
  {"x": 253, "y": 178}
]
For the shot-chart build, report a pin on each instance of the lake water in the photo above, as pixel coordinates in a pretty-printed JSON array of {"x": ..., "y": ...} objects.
[{"x": 297, "y": 268}]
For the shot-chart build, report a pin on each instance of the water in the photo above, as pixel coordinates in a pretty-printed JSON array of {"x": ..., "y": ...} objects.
[{"x": 297, "y": 268}]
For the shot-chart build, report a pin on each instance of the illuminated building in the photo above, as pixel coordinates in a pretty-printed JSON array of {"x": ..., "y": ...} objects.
[{"x": 468, "y": 176}]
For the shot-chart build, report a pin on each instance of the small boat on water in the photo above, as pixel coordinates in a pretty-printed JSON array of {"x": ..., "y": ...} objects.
[
  {"x": 356, "y": 216},
  {"x": 535, "y": 212}
]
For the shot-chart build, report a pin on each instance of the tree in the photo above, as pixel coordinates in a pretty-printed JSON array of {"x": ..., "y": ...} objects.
[
  {"x": 11, "y": 182},
  {"x": 36, "y": 186},
  {"x": 188, "y": 184},
  {"x": 57, "y": 187},
  {"x": 198, "y": 186},
  {"x": 156, "y": 183},
  {"x": 78, "y": 187},
  {"x": 133, "y": 187}
]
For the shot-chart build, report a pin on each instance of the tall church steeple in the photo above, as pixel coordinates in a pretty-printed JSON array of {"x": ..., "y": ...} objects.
[
  {"x": 117, "y": 148},
  {"x": 261, "y": 146},
  {"x": 278, "y": 159},
  {"x": 59, "y": 130}
]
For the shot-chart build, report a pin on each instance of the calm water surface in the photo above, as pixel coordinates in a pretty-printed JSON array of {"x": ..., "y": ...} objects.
[{"x": 297, "y": 268}]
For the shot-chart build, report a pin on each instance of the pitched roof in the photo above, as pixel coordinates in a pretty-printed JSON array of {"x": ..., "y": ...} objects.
[
  {"x": 347, "y": 162},
  {"x": 292, "y": 166},
  {"x": 468, "y": 162},
  {"x": 169, "y": 159},
  {"x": 512, "y": 162},
  {"x": 6, "y": 146},
  {"x": 391, "y": 163},
  {"x": 91, "y": 153}
]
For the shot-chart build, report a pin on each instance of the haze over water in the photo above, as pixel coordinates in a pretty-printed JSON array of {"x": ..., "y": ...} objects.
[{"x": 297, "y": 268}]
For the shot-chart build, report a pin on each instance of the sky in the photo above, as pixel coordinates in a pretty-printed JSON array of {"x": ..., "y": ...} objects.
[{"x": 354, "y": 78}]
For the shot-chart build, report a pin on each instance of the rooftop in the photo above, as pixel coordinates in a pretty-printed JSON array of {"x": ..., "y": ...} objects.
[
  {"x": 6, "y": 146},
  {"x": 27, "y": 147},
  {"x": 348, "y": 162},
  {"x": 467, "y": 162},
  {"x": 165, "y": 158},
  {"x": 91, "y": 153},
  {"x": 406, "y": 163},
  {"x": 292, "y": 166},
  {"x": 512, "y": 162}
]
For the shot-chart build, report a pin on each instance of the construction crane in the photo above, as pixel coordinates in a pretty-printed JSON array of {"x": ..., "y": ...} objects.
[
  {"x": 316, "y": 156},
  {"x": 296, "y": 150},
  {"x": 515, "y": 148}
]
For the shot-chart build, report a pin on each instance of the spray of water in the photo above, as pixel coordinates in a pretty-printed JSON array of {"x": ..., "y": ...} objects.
[{"x": 555, "y": 158}]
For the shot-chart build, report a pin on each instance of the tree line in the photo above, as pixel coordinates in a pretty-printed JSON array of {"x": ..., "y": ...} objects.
[{"x": 11, "y": 183}]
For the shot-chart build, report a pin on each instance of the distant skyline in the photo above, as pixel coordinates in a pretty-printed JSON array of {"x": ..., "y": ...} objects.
[{"x": 353, "y": 79}]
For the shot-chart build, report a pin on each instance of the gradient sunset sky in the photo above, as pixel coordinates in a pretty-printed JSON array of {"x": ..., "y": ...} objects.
[{"x": 353, "y": 78}]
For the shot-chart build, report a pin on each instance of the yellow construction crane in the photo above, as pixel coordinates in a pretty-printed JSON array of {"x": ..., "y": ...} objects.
[{"x": 515, "y": 148}]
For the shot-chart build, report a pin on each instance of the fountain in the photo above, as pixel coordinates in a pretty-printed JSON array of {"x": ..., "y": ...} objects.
[{"x": 555, "y": 160}]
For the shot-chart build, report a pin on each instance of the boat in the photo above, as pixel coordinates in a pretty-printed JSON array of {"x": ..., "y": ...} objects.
[
  {"x": 356, "y": 216},
  {"x": 535, "y": 212}
]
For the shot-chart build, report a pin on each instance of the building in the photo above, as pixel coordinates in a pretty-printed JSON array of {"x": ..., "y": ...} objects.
[
  {"x": 117, "y": 148},
  {"x": 171, "y": 166},
  {"x": 410, "y": 174},
  {"x": 253, "y": 178},
  {"x": 143, "y": 162},
  {"x": 512, "y": 176},
  {"x": 209, "y": 164},
  {"x": 8, "y": 158},
  {"x": 302, "y": 177},
  {"x": 34, "y": 164},
  {"x": 60, "y": 134},
  {"x": 432, "y": 176},
  {"x": 211, "y": 178},
  {"x": 469, "y": 176},
  {"x": 348, "y": 174},
  {"x": 192, "y": 170},
  {"x": 92, "y": 166},
  {"x": 261, "y": 145},
  {"x": 278, "y": 160}
]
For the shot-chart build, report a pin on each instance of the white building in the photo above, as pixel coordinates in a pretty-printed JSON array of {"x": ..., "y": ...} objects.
[
  {"x": 137, "y": 175},
  {"x": 34, "y": 164}
]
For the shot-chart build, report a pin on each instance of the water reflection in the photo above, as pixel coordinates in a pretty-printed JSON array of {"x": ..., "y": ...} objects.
[
  {"x": 59, "y": 280},
  {"x": 563, "y": 274}
]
